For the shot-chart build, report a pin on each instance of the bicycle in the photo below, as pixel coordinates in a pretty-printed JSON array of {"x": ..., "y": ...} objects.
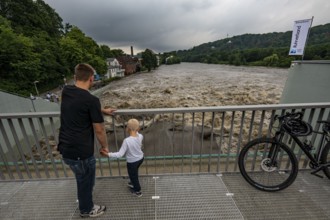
[{"x": 269, "y": 164}]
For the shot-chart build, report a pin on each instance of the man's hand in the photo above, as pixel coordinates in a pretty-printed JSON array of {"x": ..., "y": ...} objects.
[
  {"x": 108, "y": 111},
  {"x": 104, "y": 152}
]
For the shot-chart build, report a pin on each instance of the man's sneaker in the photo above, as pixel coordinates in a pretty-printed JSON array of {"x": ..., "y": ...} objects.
[
  {"x": 138, "y": 194},
  {"x": 96, "y": 211},
  {"x": 130, "y": 185}
]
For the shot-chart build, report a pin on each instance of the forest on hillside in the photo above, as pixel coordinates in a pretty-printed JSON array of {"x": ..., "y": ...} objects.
[
  {"x": 269, "y": 49},
  {"x": 35, "y": 46}
]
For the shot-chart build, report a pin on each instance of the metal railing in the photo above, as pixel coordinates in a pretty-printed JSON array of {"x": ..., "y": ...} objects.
[{"x": 176, "y": 140}]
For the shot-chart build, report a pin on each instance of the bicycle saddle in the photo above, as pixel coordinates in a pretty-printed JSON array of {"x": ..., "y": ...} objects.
[{"x": 297, "y": 127}]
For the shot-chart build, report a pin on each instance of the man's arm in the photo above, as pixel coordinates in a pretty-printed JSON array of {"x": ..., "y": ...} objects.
[
  {"x": 108, "y": 111},
  {"x": 101, "y": 134}
]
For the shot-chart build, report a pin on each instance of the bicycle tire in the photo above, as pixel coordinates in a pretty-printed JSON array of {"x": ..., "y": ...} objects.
[
  {"x": 260, "y": 175},
  {"x": 325, "y": 158}
]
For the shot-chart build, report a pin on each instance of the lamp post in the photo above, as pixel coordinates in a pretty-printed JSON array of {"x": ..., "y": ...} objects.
[
  {"x": 32, "y": 98},
  {"x": 64, "y": 80},
  {"x": 35, "y": 85}
]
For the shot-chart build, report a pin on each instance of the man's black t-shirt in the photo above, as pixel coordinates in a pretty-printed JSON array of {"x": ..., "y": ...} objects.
[{"x": 79, "y": 110}]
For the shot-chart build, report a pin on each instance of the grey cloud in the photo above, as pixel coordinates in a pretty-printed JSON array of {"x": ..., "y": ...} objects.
[{"x": 181, "y": 24}]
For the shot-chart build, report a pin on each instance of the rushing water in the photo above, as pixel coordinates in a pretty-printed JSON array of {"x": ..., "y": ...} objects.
[{"x": 196, "y": 84}]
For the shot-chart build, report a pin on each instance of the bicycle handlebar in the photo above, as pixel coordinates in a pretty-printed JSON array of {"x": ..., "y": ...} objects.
[
  {"x": 294, "y": 115},
  {"x": 298, "y": 116}
]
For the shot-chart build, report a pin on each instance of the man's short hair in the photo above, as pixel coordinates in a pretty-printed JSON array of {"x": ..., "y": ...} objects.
[
  {"x": 83, "y": 71},
  {"x": 133, "y": 124}
]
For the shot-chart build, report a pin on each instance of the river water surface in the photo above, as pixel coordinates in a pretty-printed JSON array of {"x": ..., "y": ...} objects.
[{"x": 196, "y": 84}]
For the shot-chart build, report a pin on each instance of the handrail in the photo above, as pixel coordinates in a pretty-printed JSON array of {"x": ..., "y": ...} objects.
[{"x": 181, "y": 110}]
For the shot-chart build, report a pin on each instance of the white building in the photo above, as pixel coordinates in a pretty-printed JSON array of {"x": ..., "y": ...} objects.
[{"x": 114, "y": 69}]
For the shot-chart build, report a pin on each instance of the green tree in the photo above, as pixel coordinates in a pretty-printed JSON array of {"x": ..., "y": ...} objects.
[
  {"x": 77, "y": 48},
  {"x": 106, "y": 51},
  {"x": 116, "y": 53},
  {"x": 149, "y": 59},
  {"x": 271, "y": 60},
  {"x": 19, "y": 64},
  {"x": 42, "y": 26}
]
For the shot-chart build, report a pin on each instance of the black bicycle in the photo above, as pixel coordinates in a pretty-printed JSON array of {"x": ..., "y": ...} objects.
[{"x": 268, "y": 164}]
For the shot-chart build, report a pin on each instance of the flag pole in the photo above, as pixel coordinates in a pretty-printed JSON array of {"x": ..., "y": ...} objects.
[{"x": 309, "y": 29}]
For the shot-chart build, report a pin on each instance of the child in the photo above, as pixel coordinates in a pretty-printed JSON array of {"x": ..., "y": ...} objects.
[{"x": 131, "y": 148}]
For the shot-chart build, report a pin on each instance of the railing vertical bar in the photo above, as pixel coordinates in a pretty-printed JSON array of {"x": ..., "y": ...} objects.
[
  {"x": 143, "y": 143},
  {"x": 2, "y": 161},
  {"x": 28, "y": 146},
  {"x": 314, "y": 135},
  {"x": 164, "y": 147},
  {"x": 52, "y": 124},
  {"x": 202, "y": 143},
  {"x": 270, "y": 127},
  {"x": 115, "y": 141},
  {"x": 41, "y": 122},
  {"x": 117, "y": 148},
  {"x": 99, "y": 157},
  {"x": 211, "y": 144},
  {"x": 286, "y": 136},
  {"x": 271, "y": 122},
  {"x": 256, "y": 150},
  {"x": 155, "y": 161},
  {"x": 36, "y": 139},
  {"x": 51, "y": 120},
  {"x": 19, "y": 148},
  {"x": 230, "y": 139},
  {"x": 251, "y": 125},
  {"x": 11, "y": 152},
  {"x": 285, "y": 139},
  {"x": 220, "y": 140},
  {"x": 261, "y": 124},
  {"x": 172, "y": 142},
  {"x": 6, "y": 163},
  {"x": 239, "y": 139},
  {"x": 318, "y": 125},
  {"x": 182, "y": 141},
  {"x": 192, "y": 141}
]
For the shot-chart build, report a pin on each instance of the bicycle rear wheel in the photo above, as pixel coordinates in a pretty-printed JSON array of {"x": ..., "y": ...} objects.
[
  {"x": 264, "y": 173},
  {"x": 325, "y": 158}
]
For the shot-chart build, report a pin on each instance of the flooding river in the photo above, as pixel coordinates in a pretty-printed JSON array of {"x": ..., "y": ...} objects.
[{"x": 196, "y": 84}]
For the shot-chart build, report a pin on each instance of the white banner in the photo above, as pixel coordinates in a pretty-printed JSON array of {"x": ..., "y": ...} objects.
[{"x": 299, "y": 36}]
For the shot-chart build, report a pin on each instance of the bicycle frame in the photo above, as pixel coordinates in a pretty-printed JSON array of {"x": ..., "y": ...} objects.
[{"x": 314, "y": 160}]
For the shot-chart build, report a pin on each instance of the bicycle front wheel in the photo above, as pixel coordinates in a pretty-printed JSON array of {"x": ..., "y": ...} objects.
[
  {"x": 267, "y": 164},
  {"x": 325, "y": 158}
]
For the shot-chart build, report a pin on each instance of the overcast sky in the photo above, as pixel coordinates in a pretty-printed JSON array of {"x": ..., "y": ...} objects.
[{"x": 167, "y": 25}]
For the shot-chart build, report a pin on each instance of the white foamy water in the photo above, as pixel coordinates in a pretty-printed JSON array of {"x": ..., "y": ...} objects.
[{"x": 196, "y": 84}]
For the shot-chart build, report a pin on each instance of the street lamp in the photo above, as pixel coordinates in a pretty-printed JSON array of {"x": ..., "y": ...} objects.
[
  {"x": 64, "y": 80},
  {"x": 35, "y": 85}
]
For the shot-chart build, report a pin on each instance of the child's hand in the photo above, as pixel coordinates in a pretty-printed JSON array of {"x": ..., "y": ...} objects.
[{"x": 104, "y": 152}]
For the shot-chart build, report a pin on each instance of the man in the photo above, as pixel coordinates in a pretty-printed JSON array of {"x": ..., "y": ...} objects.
[{"x": 81, "y": 118}]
